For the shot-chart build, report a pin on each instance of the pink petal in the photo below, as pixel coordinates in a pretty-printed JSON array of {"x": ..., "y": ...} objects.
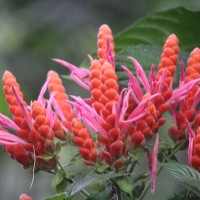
[
  {"x": 191, "y": 140},
  {"x": 23, "y": 109},
  {"x": 154, "y": 164},
  {"x": 90, "y": 58},
  {"x": 152, "y": 79},
  {"x": 9, "y": 139},
  {"x": 141, "y": 74},
  {"x": 179, "y": 94},
  {"x": 41, "y": 98},
  {"x": 133, "y": 83},
  {"x": 122, "y": 105},
  {"x": 79, "y": 75},
  {"x": 139, "y": 112},
  {"x": 8, "y": 123},
  {"x": 162, "y": 81},
  {"x": 196, "y": 98},
  {"x": 109, "y": 55},
  {"x": 88, "y": 115}
]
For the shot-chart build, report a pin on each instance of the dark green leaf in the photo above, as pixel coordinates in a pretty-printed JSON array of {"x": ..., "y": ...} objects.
[
  {"x": 124, "y": 185},
  {"x": 103, "y": 195},
  {"x": 59, "y": 183},
  {"x": 184, "y": 195},
  {"x": 186, "y": 175},
  {"x": 58, "y": 179},
  {"x": 154, "y": 29}
]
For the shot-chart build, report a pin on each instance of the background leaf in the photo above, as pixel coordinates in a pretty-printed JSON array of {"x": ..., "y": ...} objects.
[
  {"x": 186, "y": 175},
  {"x": 154, "y": 29},
  {"x": 124, "y": 184}
]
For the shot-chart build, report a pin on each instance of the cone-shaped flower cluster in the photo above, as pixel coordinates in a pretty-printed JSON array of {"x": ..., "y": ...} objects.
[
  {"x": 124, "y": 119},
  {"x": 114, "y": 122},
  {"x": 32, "y": 125},
  {"x": 186, "y": 114}
]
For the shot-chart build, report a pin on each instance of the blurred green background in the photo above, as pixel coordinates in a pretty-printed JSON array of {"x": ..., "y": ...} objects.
[{"x": 34, "y": 32}]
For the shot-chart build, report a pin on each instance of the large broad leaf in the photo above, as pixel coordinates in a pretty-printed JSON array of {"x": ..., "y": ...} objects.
[
  {"x": 154, "y": 29},
  {"x": 186, "y": 175}
]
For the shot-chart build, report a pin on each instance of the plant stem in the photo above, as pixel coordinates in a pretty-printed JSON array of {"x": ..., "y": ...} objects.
[
  {"x": 132, "y": 166},
  {"x": 187, "y": 195},
  {"x": 64, "y": 175},
  {"x": 148, "y": 185}
]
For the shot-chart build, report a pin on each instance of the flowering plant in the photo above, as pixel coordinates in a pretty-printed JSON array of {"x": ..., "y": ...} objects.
[{"x": 117, "y": 128}]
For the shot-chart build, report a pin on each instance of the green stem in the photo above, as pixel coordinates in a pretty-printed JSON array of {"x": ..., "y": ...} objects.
[
  {"x": 148, "y": 185},
  {"x": 187, "y": 195},
  {"x": 64, "y": 175},
  {"x": 132, "y": 166},
  {"x": 117, "y": 192}
]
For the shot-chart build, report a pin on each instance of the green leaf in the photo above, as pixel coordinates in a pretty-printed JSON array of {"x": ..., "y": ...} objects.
[
  {"x": 46, "y": 156},
  {"x": 124, "y": 185},
  {"x": 103, "y": 195},
  {"x": 59, "y": 183},
  {"x": 184, "y": 195},
  {"x": 61, "y": 196},
  {"x": 89, "y": 179},
  {"x": 186, "y": 175},
  {"x": 154, "y": 29},
  {"x": 4, "y": 105},
  {"x": 102, "y": 167},
  {"x": 58, "y": 148}
]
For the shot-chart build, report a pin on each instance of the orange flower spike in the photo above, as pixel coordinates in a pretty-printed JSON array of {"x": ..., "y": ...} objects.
[
  {"x": 169, "y": 58},
  {"x": 105, "y": 44},
  {"x": 83, "y": 140},
  {"x": 192, "y": 73},
  {"x": 104, "y": 87},
  {"x": 10, "y": 81},
  {"x": 56, "y": 87},
  {"x": 95, "y": 85},
  {"x": 42, "y": 126},
  {"x": 193, "y": 69}
]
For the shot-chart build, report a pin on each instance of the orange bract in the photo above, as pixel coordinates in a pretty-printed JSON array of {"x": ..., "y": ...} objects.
[
  {"x": 57, "y": 89},
  {"x": 10, "y": 81},
  {"x": 104, "y": 37},
  {"x": 169, "y": 58},
  {"x": 84, "y": 141},
  {"x": 104, "y": 87}
]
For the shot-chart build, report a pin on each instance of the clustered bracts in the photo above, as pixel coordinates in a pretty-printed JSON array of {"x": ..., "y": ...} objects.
[{"x": 113, "y": 122}]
